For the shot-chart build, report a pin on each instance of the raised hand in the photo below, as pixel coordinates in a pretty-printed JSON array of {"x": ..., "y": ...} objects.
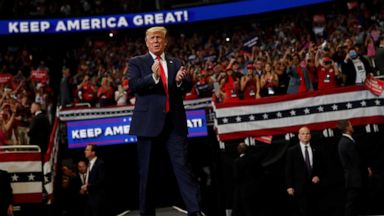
[
  {"x": 156, "y": 69},
  {"x": 181, "y": 74}
]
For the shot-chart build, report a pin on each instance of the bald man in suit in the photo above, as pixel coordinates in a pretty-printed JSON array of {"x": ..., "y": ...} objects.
[{"x": 302, "y": 173}]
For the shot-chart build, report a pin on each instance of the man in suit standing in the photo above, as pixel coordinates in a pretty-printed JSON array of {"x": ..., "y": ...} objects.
[
  {"x": 249, "y": 183},
  {"x": 6, "y": 207},
  {"x": 159, "y": 82},
  {"x": 353, "y": 167},
  {"x": 65, "y": 88},
  {"x": 302, "y": 174},
  {"x": 39, "y": 129},
  {"x": 95, "y": 183},
  {"x": 79, "y": 198}
]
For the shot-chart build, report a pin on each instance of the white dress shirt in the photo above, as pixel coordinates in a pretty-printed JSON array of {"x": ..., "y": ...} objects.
[{"x": 302, "y": 146}]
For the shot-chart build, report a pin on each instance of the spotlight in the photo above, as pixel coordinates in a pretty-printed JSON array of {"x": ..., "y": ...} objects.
[
  {"x": 227, "y": 39},
  {"x": 111, "y": 35}
]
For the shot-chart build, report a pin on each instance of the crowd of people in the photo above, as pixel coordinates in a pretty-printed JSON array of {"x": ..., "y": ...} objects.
[
  {"x": 339, "y": 48},
  {"x": 22, "y": 98}
]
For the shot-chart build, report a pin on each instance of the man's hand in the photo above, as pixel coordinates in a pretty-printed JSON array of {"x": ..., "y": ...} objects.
[
  {"x": 156, "y": 69},
  {"x": 83, "y": 189},
  {"x": 315, "y": 179},
  {"x": 181, "y": 74},
  {"x": 291, "y": 191},
  {"x": 10, "y": 210}
]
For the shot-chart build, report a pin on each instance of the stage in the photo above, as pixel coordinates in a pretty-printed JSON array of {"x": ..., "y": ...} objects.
[{"x": 167, "y": 211}]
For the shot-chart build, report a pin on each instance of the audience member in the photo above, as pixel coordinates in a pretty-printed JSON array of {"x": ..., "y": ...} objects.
[
  {"x": 65, "y": 89},
  {"x": 268, "y": 81},
  {"x": 379, "y": 57},
  {"x": 7, "y": 126},
  {"x": 355, "y": 68},
  {"x": 327, "y": 73},
  {"x": 105, "y": 93},
  {"x": 250, "y": 84}
]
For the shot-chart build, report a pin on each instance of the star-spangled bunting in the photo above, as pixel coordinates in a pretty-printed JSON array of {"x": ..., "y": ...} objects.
[
  {"x": 313, "y": 110},
  {"x": 26, "y": 177},
  {"x": 286, "y": 114}
]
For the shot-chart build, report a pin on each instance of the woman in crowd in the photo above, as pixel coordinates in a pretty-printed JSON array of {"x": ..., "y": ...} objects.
[
  {"x": 269, "y": 81},
  {"x": 86, "y": 91},
  {"x": 229, "y": 86},
  {"x": 250, "y": 84},
  {"x": 7, "y": 126},
  {"x": 105, "y": 93}
]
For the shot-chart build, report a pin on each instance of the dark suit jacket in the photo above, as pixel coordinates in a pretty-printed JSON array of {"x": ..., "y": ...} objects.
[
  {"x": 249, "y": 185},
  {"x": 5, "y": 192},
  {"x": 295, "y": 174},
  {"x": 76, "y": 200},
  {"x": 351, "y": 162},
  {"x": 39, "y": 131},
  {"x": 96, "y": 202},
  {"x": 379, "y": 60},
  {"x": 149, "y": 114},
  {"x": 97, "y": 179}
]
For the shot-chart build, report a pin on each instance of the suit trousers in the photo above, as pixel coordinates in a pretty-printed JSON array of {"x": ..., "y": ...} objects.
[
  {"x": 352, "y": 201},
  {"x": 176, "y": 147}
]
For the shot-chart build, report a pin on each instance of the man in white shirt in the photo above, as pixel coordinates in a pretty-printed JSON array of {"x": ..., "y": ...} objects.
[{"x": 95, "y": 183}]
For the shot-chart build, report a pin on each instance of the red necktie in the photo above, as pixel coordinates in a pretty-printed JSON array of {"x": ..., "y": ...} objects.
[{"x": 164, "y": 81}]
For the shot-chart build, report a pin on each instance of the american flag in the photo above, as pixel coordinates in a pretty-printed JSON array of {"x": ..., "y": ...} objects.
[
  {"x": 50, "y": 162},
  {"x": 32, "y": 180},
  {"x": 286, "y": 114},
  {"x": 25, "y": 170}
]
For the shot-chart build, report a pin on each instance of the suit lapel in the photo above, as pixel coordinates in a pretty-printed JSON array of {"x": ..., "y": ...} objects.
[
  {"x": 149, "y": 60},
  {"x": 300, "y": 153}
]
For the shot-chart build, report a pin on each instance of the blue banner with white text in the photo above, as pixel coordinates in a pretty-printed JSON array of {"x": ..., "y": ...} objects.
[
  {"x": 115, "y": 130},
  {"x": 123, "y": 21}
]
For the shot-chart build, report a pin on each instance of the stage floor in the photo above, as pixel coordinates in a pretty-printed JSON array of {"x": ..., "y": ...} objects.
[{"x": 167, "y": 211}]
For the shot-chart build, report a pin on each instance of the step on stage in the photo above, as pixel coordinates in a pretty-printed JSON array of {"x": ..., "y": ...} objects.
[{"x": 167, "y": 211}]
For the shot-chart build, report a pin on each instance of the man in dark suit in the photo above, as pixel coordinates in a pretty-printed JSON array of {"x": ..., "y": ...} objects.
[
  {"x": 159, "y": 120},
  {"x": 39, "y": 129},
  {"x": 6, "y": 207},
  {"x": 78, "y": 197},
  {"x": 248, "y": 183},
  {"x": 353, "y": 167},
  {"x": 95, "y": 183},
  {"x": 379, "y": 58},
  {"x": 65, "y": 88},
  {"x": 302, "y": 173}
]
